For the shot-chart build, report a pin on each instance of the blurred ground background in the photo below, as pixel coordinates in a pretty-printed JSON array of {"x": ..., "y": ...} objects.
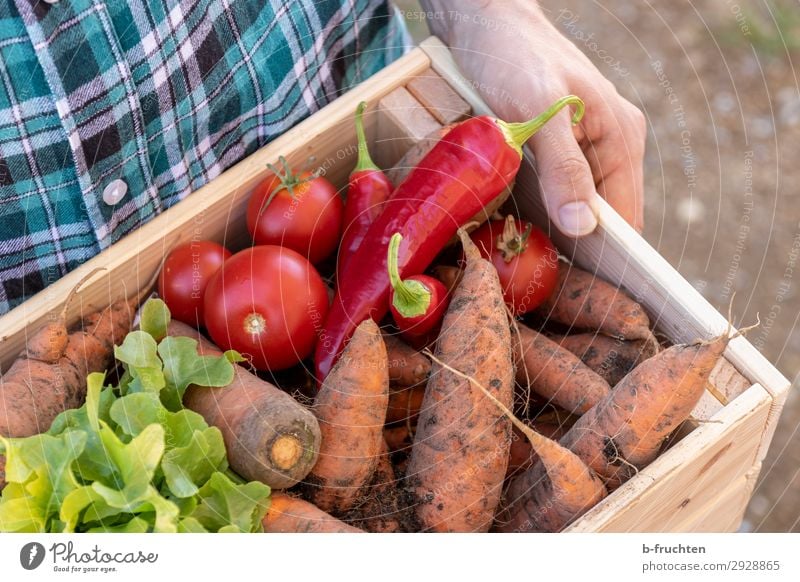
[{"x": 725, "y": 210}]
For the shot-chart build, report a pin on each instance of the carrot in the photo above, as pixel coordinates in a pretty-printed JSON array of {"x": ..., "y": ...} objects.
[
  {"x": 551, "y": 494},
  {"x": 450, "y": 276},
  {"x": 351, "y": 409},
  {"x": 398, "y": 438},
  {"x": 269, "y": 436},
  {"x": 558, "y": 489},
  {"x": 384, "y": 506},
  {"x": 407, "y": 367},
  {"x": 404, "y": 405},
  {"x": 625, "y": 431},
  {"x": 611, "y": 358},
  {"x": 522, "y": 455},
  {"x": 460, "y": 451},
  {"x": 556, "y": 373},
  {"x": 582, "y": 300},
  {"x": 50, "y": 375},
  {"x": 289, "y": 514}
]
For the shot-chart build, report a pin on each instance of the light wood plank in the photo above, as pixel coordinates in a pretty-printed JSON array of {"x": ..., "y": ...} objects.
[
  {"x": 725, "y": 384},
  {"x": 726, "y": 511},
  {"x": 438, "y": 97},
  {"x": 696, "y": 468},
  {"x": 403, "y": 123}
]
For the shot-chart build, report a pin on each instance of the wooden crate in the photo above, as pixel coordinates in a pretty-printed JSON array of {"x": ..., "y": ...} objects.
[{"x": 705, "y": 479}]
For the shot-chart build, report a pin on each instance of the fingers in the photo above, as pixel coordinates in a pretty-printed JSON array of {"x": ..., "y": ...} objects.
[
  {"x": 566, "y": 179},
  {"x": 616, "y": 158}
]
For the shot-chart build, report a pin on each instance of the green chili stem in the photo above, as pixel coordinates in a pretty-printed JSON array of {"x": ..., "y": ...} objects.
[
  {"x": 364, "y": 160},
  {"x": 411, "y": 298},
  {"x": 517, "y": 134}
]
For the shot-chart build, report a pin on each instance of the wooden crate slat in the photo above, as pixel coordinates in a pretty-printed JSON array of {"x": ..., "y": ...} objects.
[
  {"x": 403, "y": 123},
  {"x": 725, "y": 448},
  {"x": 438, "y": 97},
  {"x": 726, "y": 511}
]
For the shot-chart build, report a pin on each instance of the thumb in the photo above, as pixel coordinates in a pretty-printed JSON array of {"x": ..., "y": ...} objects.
[{"x": 565, "y": 177}]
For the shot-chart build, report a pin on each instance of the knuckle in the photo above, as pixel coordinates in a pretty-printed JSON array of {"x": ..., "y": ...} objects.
[
  {"x": 568, "y": 168},
  {"x": 638, "y": 121}
]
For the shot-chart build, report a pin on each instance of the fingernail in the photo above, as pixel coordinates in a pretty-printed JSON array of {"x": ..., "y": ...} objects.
[{"x": 576, "y": 218}]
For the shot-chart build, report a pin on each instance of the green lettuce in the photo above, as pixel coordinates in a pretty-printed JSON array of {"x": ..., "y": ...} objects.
[{"x": 132, "y": 459}]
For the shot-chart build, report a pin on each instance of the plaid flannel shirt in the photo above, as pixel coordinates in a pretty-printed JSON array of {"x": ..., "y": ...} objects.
[{"x": 159, "y": 96}]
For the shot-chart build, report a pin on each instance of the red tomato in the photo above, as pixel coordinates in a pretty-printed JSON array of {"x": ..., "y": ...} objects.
[
  {"x": 268, "y": 303},
  {"x": 298, "y": 211},
  {"x": 525, "y": 259},
  {"x": 184, "y": 277}
]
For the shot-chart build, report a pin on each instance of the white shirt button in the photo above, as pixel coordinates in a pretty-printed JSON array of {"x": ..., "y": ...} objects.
[
  {"x": 51, "y": 1},
  {"x": 114, "y": 192}
]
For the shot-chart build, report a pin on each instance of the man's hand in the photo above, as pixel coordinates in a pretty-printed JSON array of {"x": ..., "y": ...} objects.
[{"x": 521, "y": 64}]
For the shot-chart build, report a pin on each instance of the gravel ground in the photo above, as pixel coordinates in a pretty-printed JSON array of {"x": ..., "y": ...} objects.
[{"x": 721, "y": 170}]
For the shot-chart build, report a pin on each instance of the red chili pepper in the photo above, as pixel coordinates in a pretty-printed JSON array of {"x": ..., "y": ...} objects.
[
  {"x": 368, "y": 189},
  {"x": 467, "y": 169},
  {"x": 418, "y": 303}
]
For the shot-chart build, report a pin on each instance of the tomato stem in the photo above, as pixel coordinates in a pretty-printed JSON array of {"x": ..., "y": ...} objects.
[
  {"x": 517, "y": 134},
  {"x": 254, "y": 324},
  {"x": 364, "y": 160},
  {"x": 287, "y": 180},
  {"x": 411, "y": 298},
  {"x": 512, "y": 242}
]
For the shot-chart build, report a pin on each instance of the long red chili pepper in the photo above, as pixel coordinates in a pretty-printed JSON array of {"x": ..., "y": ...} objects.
[
  {"x": 368, "y": 189},
  {"x": 465, "y": 171}
]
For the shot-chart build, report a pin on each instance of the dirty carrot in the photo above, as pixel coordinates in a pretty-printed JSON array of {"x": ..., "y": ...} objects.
[
  {"x": 404, "y": 405},
  {"x": 463, "y": 173},
  {"x": 351, "y": 409},
  {"x": 558, "y": 489},
  {"x": 624, "y": 432},
  {"x": 522, "y": 455},
  {"x": 450, "y": 276},
  {"x": 460, "y": 452},
  {"x": 289, "y": 514},
  {"x": 383, "y": 507},
  {"x": 611, "y": 358},
  {"x": 398, "y": 438},
  {"x": 551, "y": 494},
  {"x": 269, "y": 436},
  {"x": 407, "y": 367},
  {"x": 50, "y": 376},
  {"x": 556, "y": 373},
  {"x": 367, "y": 191},
  {"x": 584, "y": 301}
]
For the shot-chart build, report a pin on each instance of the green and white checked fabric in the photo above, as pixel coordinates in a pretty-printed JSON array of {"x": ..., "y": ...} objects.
[{"x": 162, "y": 95}]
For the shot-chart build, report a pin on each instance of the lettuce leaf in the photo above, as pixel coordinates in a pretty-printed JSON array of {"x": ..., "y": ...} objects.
[{"x": 132, "y": 459}]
